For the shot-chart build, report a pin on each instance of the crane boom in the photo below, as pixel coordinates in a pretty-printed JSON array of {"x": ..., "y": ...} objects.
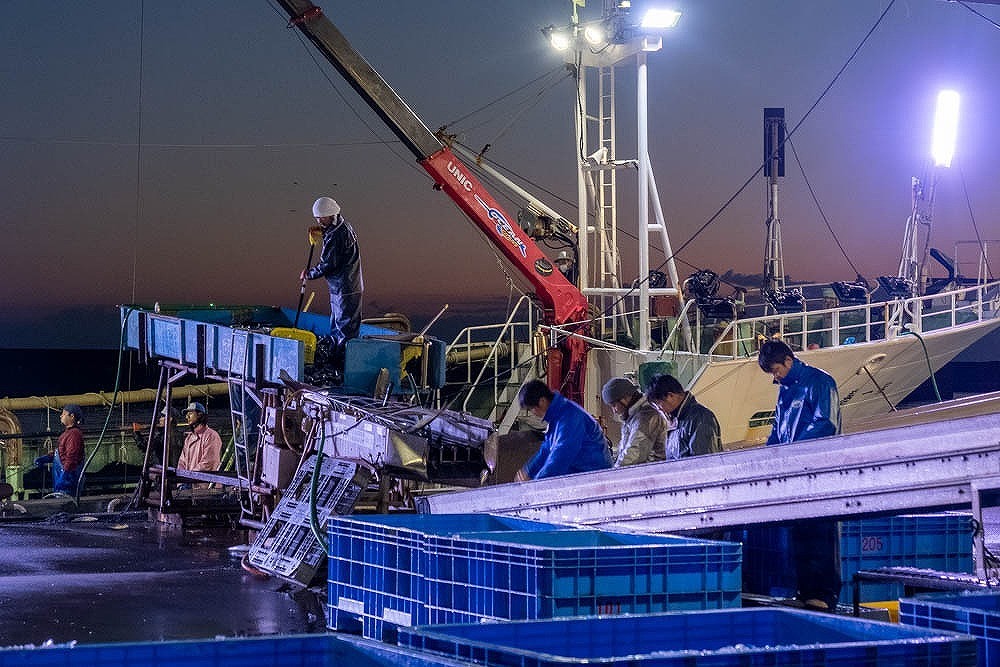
[{"x": 561, "y": 301}]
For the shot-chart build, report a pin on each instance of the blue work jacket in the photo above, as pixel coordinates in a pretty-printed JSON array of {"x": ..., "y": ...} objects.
[
  {"x": 808, "y": 406},
  {"x": 574, "y": 442},
  {"x": 340, "y": 259}
]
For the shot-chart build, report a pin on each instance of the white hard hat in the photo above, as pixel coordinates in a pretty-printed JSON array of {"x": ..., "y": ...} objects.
[{"x": 324, "y": 207}]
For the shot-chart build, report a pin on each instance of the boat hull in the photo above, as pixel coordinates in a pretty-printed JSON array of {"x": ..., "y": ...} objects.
[{"x": 873, "y": 377}]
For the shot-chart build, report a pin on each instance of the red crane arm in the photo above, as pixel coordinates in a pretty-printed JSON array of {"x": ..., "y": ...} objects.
[{"x": 562, "y": 301}]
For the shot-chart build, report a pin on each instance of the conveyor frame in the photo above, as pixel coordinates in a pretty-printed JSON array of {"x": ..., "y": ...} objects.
[{"x": 925, "y": 467}]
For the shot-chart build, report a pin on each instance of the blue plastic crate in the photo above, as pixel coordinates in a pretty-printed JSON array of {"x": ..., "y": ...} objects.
[
  {"x": 974, "y": 613},
  {"x": 377, "y": 565},
  {"x": 512, "y": 575},
  {"x": 931, "y": 541},
  {"x": 745, "y": 637},
  {"x": 287, "y": 651}
]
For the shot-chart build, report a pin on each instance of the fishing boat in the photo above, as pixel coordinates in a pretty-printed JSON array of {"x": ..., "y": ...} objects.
[
  {"x": 614, "y": 315},
  {"x": 576, "y": 331},
  {"x": 879, "y": 343}
]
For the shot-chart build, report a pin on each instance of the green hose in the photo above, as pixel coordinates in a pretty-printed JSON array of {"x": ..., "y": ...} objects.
[
  {"x": 313, "y": 488},
  {"x": 927, "y": 357},
  {"x": 114, "y": 399}
]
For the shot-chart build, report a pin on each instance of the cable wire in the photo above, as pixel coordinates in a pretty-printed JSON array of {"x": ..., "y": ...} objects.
[
  {"x": 505, "y": 96},
  {"x": 819, "y": 208},
  {"x": 979, "y": 14},
  {"x": 975, "y": 227}
]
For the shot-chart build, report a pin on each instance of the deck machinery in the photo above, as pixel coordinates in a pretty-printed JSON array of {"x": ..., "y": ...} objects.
[{"x": 280, "y": 420}]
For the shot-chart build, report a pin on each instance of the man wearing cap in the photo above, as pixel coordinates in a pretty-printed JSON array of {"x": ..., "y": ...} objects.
[
  {"x": 693, "y": 428},
  {"x": 202, "y": 444},
  {"x": 644, "y": 430},
  {"x": 67, "y": 460},
  {"x": 340, "y": 264}
]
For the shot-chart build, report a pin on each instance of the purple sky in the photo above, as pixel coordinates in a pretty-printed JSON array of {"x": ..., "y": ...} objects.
[{"x": 240, "y": 131}]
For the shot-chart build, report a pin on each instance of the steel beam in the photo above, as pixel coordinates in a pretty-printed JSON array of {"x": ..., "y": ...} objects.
[{"x": 920, "y": 467}]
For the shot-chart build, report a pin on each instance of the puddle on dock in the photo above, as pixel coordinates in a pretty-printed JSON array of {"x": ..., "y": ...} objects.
[{"x": 135, "y": 580}]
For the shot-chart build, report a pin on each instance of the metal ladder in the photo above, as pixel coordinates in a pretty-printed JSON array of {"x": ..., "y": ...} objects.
[
  {"x": 245, "y": 410},
  {"x": 506, "y": 410}
]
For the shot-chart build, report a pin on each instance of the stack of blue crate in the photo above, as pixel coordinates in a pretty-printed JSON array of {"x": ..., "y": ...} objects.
[
  {"x": 929, "y": 541},
  {"x": 377, "y": 565},
  {"x": 387, "y": 572},
  {"x": 508, "y": 576}
]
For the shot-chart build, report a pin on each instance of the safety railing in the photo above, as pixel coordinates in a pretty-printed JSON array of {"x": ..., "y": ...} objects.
[
  {"x": 490, "y": 353},
  {"x": 856, "y": 324}
]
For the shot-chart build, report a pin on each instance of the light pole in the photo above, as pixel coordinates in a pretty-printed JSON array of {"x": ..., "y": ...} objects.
[
  {"x": 922, "y": 202},
  {"x": 602, "y": 45}
]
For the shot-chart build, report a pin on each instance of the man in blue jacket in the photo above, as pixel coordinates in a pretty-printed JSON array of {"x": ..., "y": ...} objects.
[
  {"x": 808, "y": 407},
  {"x": 574, "y": 441}
]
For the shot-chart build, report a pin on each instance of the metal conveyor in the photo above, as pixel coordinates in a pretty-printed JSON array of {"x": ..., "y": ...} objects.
[{"x": 950, "y": 464}]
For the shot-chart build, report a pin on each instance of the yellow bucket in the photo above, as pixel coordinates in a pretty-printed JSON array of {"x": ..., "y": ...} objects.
[{"x": 308, "y": 339}]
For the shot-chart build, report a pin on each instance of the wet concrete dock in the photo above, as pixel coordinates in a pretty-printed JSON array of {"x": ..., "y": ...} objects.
[
  {"x": 134, "y": 580},
  {"x": 126, "y": 578}
]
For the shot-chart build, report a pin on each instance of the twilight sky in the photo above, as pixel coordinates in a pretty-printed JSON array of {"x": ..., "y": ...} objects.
[{"x": 170, "y": 151}]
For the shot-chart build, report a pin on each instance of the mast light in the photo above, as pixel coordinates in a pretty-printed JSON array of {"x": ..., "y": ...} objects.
[
  {"x": 658, "y": 19},
  {"x": 945, "y": 128}
]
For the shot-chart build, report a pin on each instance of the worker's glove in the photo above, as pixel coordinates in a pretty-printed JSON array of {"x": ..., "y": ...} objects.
[
  {"x": 42, "y": 460},
  {"x": 315, "y": 235}
]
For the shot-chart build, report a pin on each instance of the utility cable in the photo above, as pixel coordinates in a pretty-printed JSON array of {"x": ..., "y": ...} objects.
[
  {"x": 979, "y": 14},
  {"x": 975, "y": 227},
  {"x": 314, "y": 485},
  {"x": 523, "y": 108},
  {"x": 819, "y": 208},
  {"x": 324, "y": 72},
  {"x": 314, "y": 525},
  {"x": 505, "y": 96},
  {"x": 881, "y": 390},
  {"x": 138, "y": 154},
  {"x": 111, "y": 407},
  {"x": 927, "y": 358}
]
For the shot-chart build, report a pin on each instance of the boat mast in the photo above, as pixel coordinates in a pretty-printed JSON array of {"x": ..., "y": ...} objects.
[
  {"x": 912, "y": 260},
  {"x": 595, "y": 49},
  {"x": 774, "y": 167},
  {"x": 921, "y": 212}
]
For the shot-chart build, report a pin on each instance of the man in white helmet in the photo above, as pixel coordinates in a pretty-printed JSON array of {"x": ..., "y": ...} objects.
[
  {"x": 566, "y": 265},
  {"x": 340, "y": 264}
]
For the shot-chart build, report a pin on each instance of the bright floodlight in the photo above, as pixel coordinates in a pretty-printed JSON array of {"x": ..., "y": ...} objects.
[
  {"x": 560, "y": 40},
  {"x": 945, "y": 128},
  {"x": 660, "y": 18},
  {"x": 594, "y": 34}
]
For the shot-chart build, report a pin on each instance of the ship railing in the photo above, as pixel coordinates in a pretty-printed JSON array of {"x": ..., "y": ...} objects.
[
  {"x": 491, "y": 353},
  {"x": 833, "y": 327}
]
